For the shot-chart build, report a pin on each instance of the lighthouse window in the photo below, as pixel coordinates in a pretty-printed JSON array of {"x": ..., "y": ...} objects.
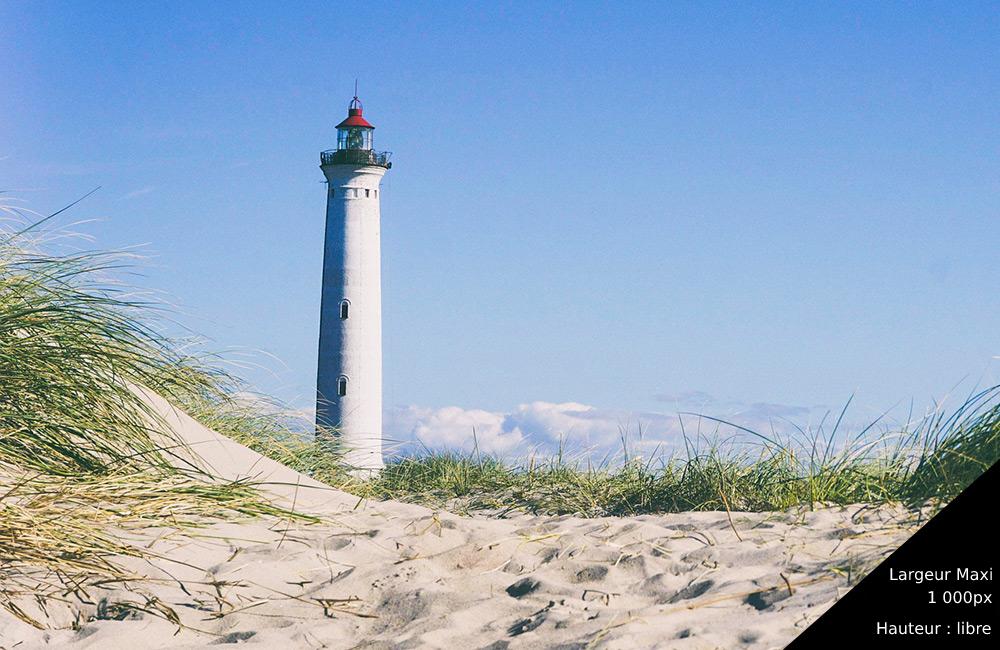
[
  {"x": 342, "y": 386},
  {"x": 376, "y": 193},
  {"x": 344, "y": 309},
  {"x": 368, "y": 193}
]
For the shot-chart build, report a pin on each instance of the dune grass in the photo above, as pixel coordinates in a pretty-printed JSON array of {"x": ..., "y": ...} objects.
[
  {"x": 963, "y": 444},
  {"x": 931, "y": 463},
  {"x": 83, "y": 458}
]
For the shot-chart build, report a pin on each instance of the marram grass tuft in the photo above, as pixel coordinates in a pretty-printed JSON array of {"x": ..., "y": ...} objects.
[{"x": 82, "y": 458}]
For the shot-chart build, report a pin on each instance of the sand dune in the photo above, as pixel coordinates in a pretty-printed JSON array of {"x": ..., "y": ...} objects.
[{"x": 393, "y": 575}]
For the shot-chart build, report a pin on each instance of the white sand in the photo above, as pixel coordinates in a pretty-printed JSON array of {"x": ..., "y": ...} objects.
[{"x": 393, "y": 575}]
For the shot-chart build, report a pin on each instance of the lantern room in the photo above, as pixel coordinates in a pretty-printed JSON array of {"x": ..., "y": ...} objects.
[
  {"x": 355, "y": 132},
  {"x": 354, "y": 142}
]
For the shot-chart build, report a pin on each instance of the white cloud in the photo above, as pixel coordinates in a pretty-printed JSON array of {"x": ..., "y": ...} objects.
[
  {"x": 589, "y": 426},
  {"x": 582, "y": 429},
  {"x": 538, "y": 426},
  {"x": 450, "y": 427}
]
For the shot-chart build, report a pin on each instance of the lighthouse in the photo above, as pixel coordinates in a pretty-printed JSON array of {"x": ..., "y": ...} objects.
[{"x": 349, "y": 378}]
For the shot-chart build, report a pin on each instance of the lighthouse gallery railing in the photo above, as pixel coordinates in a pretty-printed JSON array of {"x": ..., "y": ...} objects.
[{"x": 355, "y": 157}]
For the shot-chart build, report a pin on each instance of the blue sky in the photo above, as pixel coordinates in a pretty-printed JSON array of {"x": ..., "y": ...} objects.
[{"x": 627, "y": 209}]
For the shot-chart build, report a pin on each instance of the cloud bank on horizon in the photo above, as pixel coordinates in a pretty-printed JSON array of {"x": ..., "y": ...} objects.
[{"x": 543, "y": 427}]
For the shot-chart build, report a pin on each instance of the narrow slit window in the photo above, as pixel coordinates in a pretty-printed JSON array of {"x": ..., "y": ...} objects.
[
  {"x": 368, "y": 193},
  {"x": 345, "y": 308},
  {"x": 376, "y": 193},
  {"x": 342, "y": 386}
]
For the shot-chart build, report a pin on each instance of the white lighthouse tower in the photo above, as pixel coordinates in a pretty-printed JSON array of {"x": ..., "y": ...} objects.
[{"x": 349, "y": 380}]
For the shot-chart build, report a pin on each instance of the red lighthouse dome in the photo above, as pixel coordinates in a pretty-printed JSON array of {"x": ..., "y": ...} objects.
[{"x": 354, "y": 116}]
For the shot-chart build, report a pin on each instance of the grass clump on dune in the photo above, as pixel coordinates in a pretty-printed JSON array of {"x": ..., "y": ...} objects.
[
  {"x": 82, "y": 455},
  {"x": 964, "y": 444}
]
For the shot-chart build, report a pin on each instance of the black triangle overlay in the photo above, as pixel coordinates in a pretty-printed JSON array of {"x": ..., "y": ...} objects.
[{"x": 963, "y": 535}]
